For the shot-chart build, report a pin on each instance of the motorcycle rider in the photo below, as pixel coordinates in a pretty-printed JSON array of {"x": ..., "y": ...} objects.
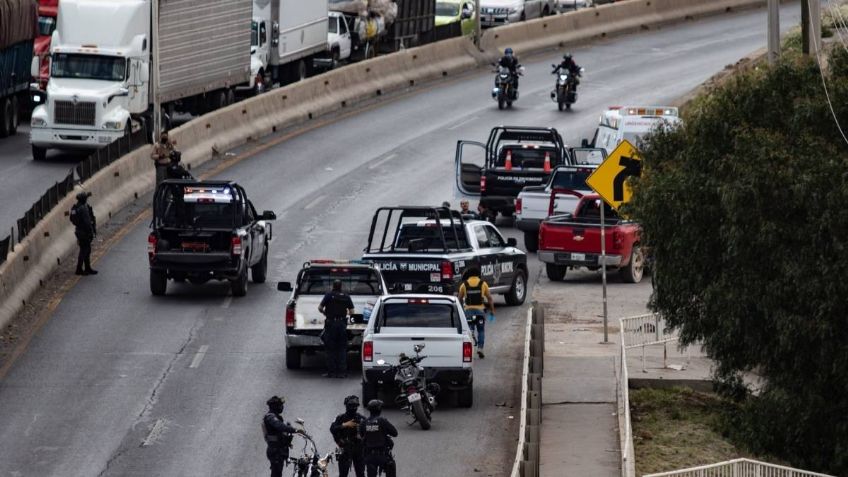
[
  {"x": 278, "y": 435},
  {"x": 345, "y": 431},
  {"x": 569, "y": 64},
  {"x": 509, "y": 60},
  {"x": 475, "y": 297},
  {"x": 377, "y": 433}
]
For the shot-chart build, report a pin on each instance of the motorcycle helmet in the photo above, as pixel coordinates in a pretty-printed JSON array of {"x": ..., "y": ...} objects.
[
  {"x": 508, "y": 52},
  {"x": 276, "y": 404},
  {"x": 566, "y": 56},
  {"x": 375, "y": 406}
]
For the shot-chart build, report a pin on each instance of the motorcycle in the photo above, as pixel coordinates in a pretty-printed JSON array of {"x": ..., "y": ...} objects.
[
  {"x": 416, "y": 397},
  {"x": 564, "y": 93},
  {"x": 310, "y": 463},
  {"x": 504, "y": 91}
]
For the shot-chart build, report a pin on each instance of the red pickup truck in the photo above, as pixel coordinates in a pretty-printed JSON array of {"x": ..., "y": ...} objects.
[{"x": 574, "y": 240}]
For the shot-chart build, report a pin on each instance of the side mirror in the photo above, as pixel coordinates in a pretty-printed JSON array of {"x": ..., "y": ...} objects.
[
  {"x": 35, "y": 67},
  {"x": 269, "y": 215},
  {"x": 284, "y": 286},
  {"x": 584, "y": 142},
  {"x": 511, "y": 242},
  {"x": 144, "y": 72}
]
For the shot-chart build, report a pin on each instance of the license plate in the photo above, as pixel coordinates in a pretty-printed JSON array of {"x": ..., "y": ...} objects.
[
  {"x": 414, "y": 397},
  {"x": 580, "y": 257},
  {"x": 407, "y": 286},
  {"x": 435, "y": 277}
]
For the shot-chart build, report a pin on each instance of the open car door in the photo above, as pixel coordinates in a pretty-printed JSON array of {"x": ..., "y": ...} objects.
[
  {"x": 587, "y": 156},
  {"x": 470, "y": 163}
]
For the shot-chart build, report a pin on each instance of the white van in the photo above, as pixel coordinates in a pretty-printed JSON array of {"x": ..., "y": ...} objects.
[{"x": 630, "y": 122}]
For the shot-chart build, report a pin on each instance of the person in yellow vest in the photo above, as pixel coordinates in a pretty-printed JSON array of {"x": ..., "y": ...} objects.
[{"x": 475, "y": 297}]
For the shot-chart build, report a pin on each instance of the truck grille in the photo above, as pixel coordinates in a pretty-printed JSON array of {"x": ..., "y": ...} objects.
[{"x": 80, "y": 114}]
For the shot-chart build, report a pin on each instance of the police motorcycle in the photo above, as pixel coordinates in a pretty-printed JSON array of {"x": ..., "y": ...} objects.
[
  {"x": 309, "y": 463},
  {"x": 504, "y": 91},
  {"x": 417, "y": 397},
  {"x": 564, "y": 92}
]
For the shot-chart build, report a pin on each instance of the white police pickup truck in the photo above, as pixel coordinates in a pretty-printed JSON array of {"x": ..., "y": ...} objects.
[
  {"x": 361, "y": 280},
  {"x": 398, "y": 323}
]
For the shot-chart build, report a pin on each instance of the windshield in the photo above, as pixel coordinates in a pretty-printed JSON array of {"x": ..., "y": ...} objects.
[
  {"x": 355, "y": 281},
  {"x": 333, "y": 23},
  {"x": 574, "y": 180},
  {"x": 634, "y": 138},
  {"x": 254, "y": 34},
  {"x": 46, "y": 25},
  {"x": 447, "y": 9},
  {"x": 413, "y": 237},
  {"x": 96, "y": 67},
  {"x": 416, "y": 315}
]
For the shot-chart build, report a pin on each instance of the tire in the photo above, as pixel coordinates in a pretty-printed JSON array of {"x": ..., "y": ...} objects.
[
  {"x": 369, "y": 391},
  {"x": 420, "y": 414},
  {"x": 561, "y": 105},
  {"x": 293, "y": 358},
  {"x": 501, "y": 103},
  {"x": 556, "y": 273},
  {"x": 39, "y": 153},
  {"x": 518, "y": 291},
  {"x": 239, "y": 285},
  {"x": 301, "y": 73},
  {"x": 635, "y": 270},
  {"x": 465, "y": 397},
  {"x": 531, "y": 241},
  {"x": 158, "y": 282},
  {"x": 231, "y": 97},
  {"x": 5, "y": 117},
  {"x": 259, "y": 272},
  {"x": 13, "y": 129}
]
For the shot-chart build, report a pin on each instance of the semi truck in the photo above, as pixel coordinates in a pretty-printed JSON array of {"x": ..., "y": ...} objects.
[
  {"x": 101, "y": 67},
  {"x": 48, "y": 11},
  {"x": 18, "y": 29}
]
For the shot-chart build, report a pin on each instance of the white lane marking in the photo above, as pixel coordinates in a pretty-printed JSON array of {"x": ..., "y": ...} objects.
[
  {"x": 227, "y": 302},
  {"x": 314, "y": 202},
  {"x": 462, "y": 123},
  {"x": 382, "y": 161},
  {"x": 199, "y": 356},
  {"x": 155, "y": 433}
]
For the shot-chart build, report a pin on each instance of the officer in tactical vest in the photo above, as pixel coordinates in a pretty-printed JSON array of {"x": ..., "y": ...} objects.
[
  {"x": 85, "y": 229},
  {"x": 377, "y": 433},
  {"x": 278, "y": 435},
  {"x": 336, "y": 307},
  {"x": 345, "y": 431},
  {"x": 475, "y": 296}
]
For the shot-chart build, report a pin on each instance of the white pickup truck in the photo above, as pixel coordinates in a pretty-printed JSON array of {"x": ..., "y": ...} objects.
[
  {"x": 362, "y": 281},
  {"x": 398, "y": 323},
  {"x": 533, "y": 202}
]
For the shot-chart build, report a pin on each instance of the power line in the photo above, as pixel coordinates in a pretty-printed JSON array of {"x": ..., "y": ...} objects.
[
  {"x": 816, "y": 42},
  {"x": 839, "y": 22}
]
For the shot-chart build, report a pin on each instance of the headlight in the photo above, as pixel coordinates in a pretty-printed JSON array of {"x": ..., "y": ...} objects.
[
  {"x": 38, "y": 123},
  {"x": 113, "y": 125},
  {"x": 513, "y": 10}
]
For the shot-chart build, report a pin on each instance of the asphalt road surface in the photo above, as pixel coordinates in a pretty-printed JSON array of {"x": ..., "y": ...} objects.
[{"x": 121, "y": 383}]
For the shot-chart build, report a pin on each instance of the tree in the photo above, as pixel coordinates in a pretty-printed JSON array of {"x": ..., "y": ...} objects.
[{"x": 745, "y": 210}]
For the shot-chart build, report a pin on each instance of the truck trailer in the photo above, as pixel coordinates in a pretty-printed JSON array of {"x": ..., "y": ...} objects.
[{"x": 18, "y": 29}]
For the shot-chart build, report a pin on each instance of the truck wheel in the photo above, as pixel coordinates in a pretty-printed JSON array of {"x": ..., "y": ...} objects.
[
  {"x": 231, "y": 97},
  {"x": 293, "y": 356},
  {"x": 634, "y": 270},
  {"x": 5, "y": 117},
  {"x": 13, "y": 124},
  {"x": 556, "y": 273},
  {"x": 39, "y": 153},
  {"x": 158, "y": 282},
  {"x": 239, "y": 285},
  {"x": 301, "y": 73},
  {"x": 531, "y": 241},
  {"x": 369, "y": 391},
  {"x": 518, "y": 292},
  {"x": 465, "y": 397},
  {"x": 259, "y": 272}
]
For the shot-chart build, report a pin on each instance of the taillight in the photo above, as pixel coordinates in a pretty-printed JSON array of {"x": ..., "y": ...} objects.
[
  {"x": 541, "y": 237},
  {"x": 368, "y": 351},
  {"x": 447, "y": 270},
  {"x": 482, "y": 183},
  {"x": 518, "y": 205},
  {"x": 236, "y": 242},
  {"x": 290, "y": 316},
  {"x": 466, "y": 352},
  {"x": 151, "y": 245}
]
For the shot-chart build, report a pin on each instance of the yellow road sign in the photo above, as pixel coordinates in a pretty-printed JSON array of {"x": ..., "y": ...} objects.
[{"x": 610, "y": 178}]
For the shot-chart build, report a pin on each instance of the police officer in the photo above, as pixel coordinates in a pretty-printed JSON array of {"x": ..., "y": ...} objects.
[
  {"x": 278, "y": 435},
  {"x": 161, "y": 156},
  {"x": 175, "y": 169},
  {"x": 377, "y": 433},
  {"x": 475, "y": 296},
  {"x": 336, "y": 307},
  {"x": 569, "y": 64},
  {"x": 345, "y": 431},
  {"x": 85, "y": 229}
]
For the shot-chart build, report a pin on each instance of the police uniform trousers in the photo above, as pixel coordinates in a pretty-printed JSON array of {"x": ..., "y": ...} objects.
[
  {"x": 352, "y": 457},
  {"x": 380, "y": 459},
  {"x": 84, "y": 257},
  {"x": 335, "y": 344}
]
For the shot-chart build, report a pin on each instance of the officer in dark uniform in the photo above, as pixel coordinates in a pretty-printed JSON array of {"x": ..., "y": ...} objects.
[
  {"x": 278, "y": 435},
  {"x": 82, "y": 216},
  {"x": 377, "y": 433},
  {"x": 175, "y": 169},
  {"x": 345, "y": 431},
  {"x": 337, "y": 308}
]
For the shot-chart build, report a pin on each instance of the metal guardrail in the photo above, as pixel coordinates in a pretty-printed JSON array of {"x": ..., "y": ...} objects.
[
  {"x": 641, "y": 331},
  {"x": 740, "y": 468},
  {"x": 627, "y": 457},
  {"x": 527, "y": 452}
]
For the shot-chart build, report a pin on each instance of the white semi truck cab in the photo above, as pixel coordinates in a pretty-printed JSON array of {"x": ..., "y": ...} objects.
[{"x": 99, "y": 76}]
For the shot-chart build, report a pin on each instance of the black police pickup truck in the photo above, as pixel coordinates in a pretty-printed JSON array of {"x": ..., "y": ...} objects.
[
  {"x": 427, "y": 249},
  {"x": 206, "y": 230}
]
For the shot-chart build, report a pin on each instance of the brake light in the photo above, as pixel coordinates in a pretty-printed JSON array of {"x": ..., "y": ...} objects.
[
  {"x": 368, "y": 351},
  {"x": 466, "y": 352},
  {"x": 151, "y": 245},
  {"x": 418, "y": 301},
  {"x": 447, "y": 270},
  {"x": 290, "y": 316},
  {"x": 236, "y": 243},
  {"x": 518, "y": 205},
  {"x": 508, "y": 163},
  {"x": 482, "y": 183}
]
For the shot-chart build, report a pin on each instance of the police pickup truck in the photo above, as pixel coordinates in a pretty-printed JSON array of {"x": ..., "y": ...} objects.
[
  {"x": 427, "y": 249},
  {"x": 206, "y": 230},
  {"x": 361, "y": 280}
]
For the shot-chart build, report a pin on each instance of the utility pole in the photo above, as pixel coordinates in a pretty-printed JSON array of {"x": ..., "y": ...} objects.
[
  {"x": 773, "y": 31},
  {"x": 805, "y": 27},
  {"x": 814, "y": 7},
  {"x": 154, "y": 58},
  {"x": 477, "y": 23},
  {"x": 604, "y": 267}
]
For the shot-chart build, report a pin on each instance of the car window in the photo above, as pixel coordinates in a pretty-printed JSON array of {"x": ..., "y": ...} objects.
[
  {"x": 482, "y": 236},
  {"x": 318, "y": 281},
  {"x": 495, "y": 239},
  {"x": 574, "y": 180},
  {"x": 415, "y": 315},
  {"x": 426, "y": 238}
]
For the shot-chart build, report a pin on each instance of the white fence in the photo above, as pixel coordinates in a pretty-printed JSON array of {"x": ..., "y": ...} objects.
[
  {"x": 646, "y": 330},
  {"x": 739, "y": 468},
  {"x": 628, "y": 463}
]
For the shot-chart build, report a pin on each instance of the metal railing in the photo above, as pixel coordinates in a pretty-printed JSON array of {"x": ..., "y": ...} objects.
[
  {"x": 627, "y": 458},
  {"x": 641, "y": 331},
  {"x": 529, "y": 433},
  {"x": 739, "y": 468}
]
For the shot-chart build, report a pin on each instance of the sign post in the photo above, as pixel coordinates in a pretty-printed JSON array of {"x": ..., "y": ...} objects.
[{"x": 610, "y": 182}]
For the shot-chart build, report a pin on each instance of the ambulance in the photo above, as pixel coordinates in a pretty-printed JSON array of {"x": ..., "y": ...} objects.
[{"x": 632, "y": 123}]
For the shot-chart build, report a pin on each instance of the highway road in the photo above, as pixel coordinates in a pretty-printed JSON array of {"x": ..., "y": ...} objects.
[{"x": 120, "y": 383}]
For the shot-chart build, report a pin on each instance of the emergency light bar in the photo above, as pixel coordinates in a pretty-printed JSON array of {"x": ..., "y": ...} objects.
[
  {"x": 651, "y": 111},
  {"x": 329, "y": 261}
]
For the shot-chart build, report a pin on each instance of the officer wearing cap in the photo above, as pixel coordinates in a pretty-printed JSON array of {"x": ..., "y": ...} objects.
[
  {"x": 377, "y": 433},
  {"x": 336, "y": 307},
  {"x": 85, "y": 229},
  {"x": 278, "y": 435},
  {"x": 345, "y": 431}
]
